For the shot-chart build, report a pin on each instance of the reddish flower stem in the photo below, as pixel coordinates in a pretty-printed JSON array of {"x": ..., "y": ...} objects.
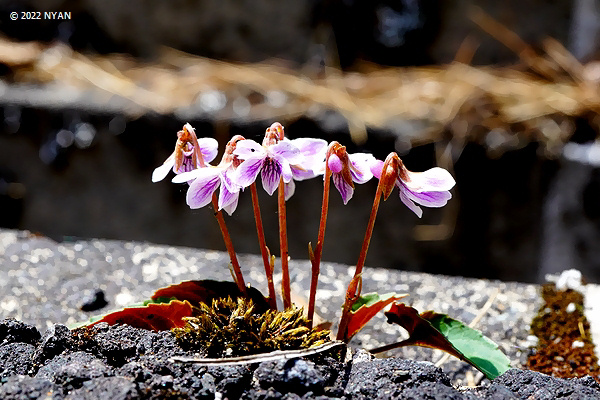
[
  {"x": 316, "y": 260},
  {"x": 264, "y": 251},
  {"x": 239, "y": 278},
  {"x": 355, "y": 284},
  {"x": 283, "y": 246}
]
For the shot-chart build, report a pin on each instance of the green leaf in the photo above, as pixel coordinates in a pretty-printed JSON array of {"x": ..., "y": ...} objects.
[
  {"x": 440, "y": 331},
  {"x": 481, "y": 351}
]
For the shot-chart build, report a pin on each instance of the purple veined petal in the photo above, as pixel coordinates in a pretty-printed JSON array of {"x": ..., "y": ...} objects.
[
  {"x": 191, "y": 175},
  {"x": 289, "y": 189},
  {"x": 345, "y": 190},
  {"x": 248, "y": 148},
  {"x": 270, "y": 174},
  {"x": 433, "y": 180},
  {"x": 230, "y": 208},
  {"x": 428, "y": 199},
  {"x": 247, "y": 171},
  {"x": 187, "y": 165},
  {"x": 209, "y": 148},
  {"x": 201, "y": 190},
  {"x": 286, "y": 150},
  {"x": 300, "y": 173},
  {"x": 376, "y": 167},
  {"x": 227, "y": 198},
  {"x": 361, "y": 167},
  {"x": 161, "y": 172},
  {"x": 335, "y": 164},
  {"x": 408, "y": 202}
]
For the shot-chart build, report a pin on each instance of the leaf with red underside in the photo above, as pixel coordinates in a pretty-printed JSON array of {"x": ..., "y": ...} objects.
[
  {"x": 155, "y": 317},
  {"x": 205, "y": 291},
  {"x": 430, "y": 329},
  {"x": 366, "y": 307}
]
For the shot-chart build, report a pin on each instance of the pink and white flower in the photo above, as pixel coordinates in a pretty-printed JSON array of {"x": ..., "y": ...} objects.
[
  {"x": 204, "y": 181},
  {"x": 430, "y": 188},
  {"x": 190, "y": 153}
]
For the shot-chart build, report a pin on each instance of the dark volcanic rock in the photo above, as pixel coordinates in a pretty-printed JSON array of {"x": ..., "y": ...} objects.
[
  {"x": 114, "y": 388},
  {"x": 70, "y": 371},
  {"x": 20, "y": 387},
  {"x": 399, "y": 379},
  {"x": 16, "y": 331},
  {"x": 121, "y": 362},
  {"x": 16, "y": 359},
  {"x": 296, "y": 376},
  {"x": 55, "y": 341}
]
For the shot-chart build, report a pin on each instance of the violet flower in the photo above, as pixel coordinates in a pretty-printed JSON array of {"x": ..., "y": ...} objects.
[
  {"x": 272, "y": 160},
  {"x": 429, "y": 188},
  {"x": 189, "y": 154},
  {"x": 204, "y": 181},
  {"x": 347, "y": 169}
]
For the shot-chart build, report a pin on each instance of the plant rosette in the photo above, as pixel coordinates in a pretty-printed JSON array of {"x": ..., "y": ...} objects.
[{"x": 230, "y": 322}]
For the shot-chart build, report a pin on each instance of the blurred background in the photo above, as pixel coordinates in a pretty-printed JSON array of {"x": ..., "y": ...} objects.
[{"x": 505, "y": 95}]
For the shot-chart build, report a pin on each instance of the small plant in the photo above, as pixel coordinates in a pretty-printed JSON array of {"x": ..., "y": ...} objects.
[{"x": 224, "y": 322}]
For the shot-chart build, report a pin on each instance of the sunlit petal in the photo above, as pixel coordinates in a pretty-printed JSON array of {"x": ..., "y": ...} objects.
[
  {"x": 191, "y": 175},
  {"x": 286, "y": 150},
  {"x": 361, "y": 167},
  {"x": 433, "y": 180},
  {"x": 209, "y": 148},
  {"x": 248, "y": 148},
  {"x": 161, "y": 172}
]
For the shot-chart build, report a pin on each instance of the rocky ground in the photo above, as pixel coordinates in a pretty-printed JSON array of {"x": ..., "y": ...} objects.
[
  {"x": 46, "y": 284},
  {"x": 121, "y": 362}
]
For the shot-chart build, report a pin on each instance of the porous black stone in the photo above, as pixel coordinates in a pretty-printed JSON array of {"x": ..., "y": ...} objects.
[{"x": 12, "y": 330}]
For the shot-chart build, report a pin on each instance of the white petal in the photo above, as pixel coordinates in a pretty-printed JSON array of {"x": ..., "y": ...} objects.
[
  {"x": 433, "y": 180},
  {"x": 248, "y": 148},
  {"x": 160, "y": 172},
  {"x": 209, "y": 148},
  {"x": 289, "y": 189},
  {"x": 361, "y": 167},
  {"x": 286, "y": 150},
  {"x": 188, "y": 176}
]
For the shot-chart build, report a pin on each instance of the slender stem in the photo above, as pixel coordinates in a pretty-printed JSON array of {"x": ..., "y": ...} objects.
[
  {"x": 239, "y": 278},
  {"x": 264, "y": 251},
  {"x": 354, "y": 287},
  {"x": 316, "y": 261},
  {"x": 283, "y": 246}
]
